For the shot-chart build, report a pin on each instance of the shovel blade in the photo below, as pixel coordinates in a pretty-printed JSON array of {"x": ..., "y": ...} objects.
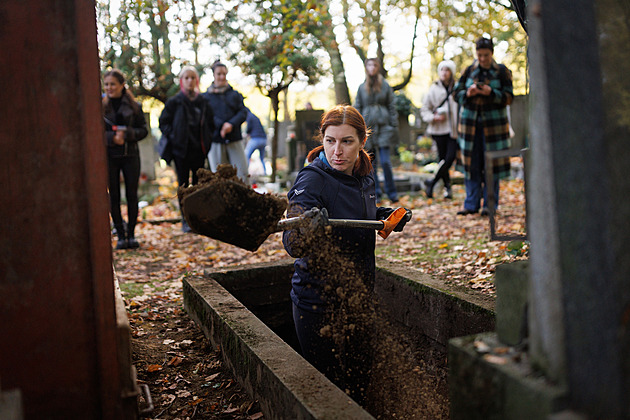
[{"x": 234, "y": 213}]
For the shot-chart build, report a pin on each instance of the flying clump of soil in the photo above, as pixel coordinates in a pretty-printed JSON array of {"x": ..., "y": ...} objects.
[
  {"x": 376, "y": 366},
  {"x": 223, "y": 207}
]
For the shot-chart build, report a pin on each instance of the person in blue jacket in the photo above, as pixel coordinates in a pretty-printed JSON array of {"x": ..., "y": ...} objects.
[
  {"x": 335, "y": 267},
  {"x": 125, "y": 126},
  {"x": 257, "y": 138},
  {"x": 187, "y": 124},
  {"x": 229, "y": 114}
]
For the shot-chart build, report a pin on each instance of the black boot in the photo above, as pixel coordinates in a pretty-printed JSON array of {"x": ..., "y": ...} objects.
[
  {"x": 448, "y": 191},
  {"x": 122, "y": 237},
  {"x": 132, "y": 243},
  {"x": 428, "y": 187}
]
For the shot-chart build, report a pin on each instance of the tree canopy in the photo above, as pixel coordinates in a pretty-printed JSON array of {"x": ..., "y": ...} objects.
[{"x": 275, "y": 41}]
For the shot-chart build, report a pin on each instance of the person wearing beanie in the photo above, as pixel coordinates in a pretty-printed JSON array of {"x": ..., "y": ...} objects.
[
  {"x": 439, "y": 110},
  {"x": 484, "y": 91}
]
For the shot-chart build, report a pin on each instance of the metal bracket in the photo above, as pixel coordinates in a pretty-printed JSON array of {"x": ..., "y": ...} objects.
[
  {"x": 491, "y": 204},
  {"x": 146, "y": 393}
]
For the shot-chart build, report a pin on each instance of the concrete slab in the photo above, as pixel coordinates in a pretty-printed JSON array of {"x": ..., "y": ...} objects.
[
  {"x": 489, "y": 381},
  {"x": 247, "y": 312},
  {"x": 285, "y": 385}
]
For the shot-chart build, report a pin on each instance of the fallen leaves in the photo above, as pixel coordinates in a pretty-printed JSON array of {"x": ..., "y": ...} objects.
[
  {"x": 457, "y": 249},
  {"x": 186, "y": 375}
]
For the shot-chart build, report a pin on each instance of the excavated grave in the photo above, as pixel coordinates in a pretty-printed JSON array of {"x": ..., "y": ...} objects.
[{"x": 247, "y": 312}]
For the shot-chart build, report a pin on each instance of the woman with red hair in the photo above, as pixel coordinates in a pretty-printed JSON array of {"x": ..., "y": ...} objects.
[{"x": 335, "y": 268}]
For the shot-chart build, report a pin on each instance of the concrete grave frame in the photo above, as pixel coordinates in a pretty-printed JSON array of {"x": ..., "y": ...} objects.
[{"x": 239, "y": 308}]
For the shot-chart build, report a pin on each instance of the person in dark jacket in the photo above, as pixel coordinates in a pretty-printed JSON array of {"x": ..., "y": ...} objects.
[
  {"x": 125, "y": 126},
  {"x": 335, "y": 268},
  {"x": 229, "y": 114},
  {"x": 257, "y": 138},
  {"x": 187, "y": 124},
  {"x": 375, "y": 101}
]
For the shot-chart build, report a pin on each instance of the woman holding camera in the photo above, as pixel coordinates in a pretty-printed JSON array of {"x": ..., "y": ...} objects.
[
  {"x": 439, "y": 110},
  {"x": 124, "y": 128},
  {"x": 483, "y": 92}
]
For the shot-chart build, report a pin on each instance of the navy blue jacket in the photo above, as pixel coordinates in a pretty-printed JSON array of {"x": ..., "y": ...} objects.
[
  {"x": 254, "y": 127},
  {"x": 345, "y": 197},
  {"x": 175, "y": 124},
  {"x": 227, "y": 106}
]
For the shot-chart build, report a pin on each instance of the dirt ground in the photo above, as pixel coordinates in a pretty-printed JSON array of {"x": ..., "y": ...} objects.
[{"x": 184, "y": 372}]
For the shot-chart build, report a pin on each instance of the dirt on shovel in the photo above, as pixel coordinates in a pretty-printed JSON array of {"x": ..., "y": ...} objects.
[{"x": 224, "y": 208}]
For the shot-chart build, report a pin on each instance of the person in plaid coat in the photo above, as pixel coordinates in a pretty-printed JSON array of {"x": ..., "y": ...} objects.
[{"x": 483, "y": 93}]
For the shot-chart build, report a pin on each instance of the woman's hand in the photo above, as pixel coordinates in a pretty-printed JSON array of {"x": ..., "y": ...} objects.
[
  {"x": 475, "y": 89},
  {"x": 226, "y": 129},
  {"x": 485, "y": 90},
  {"x": 439, "y": 117},
  {"x": 383, "y": 213},
  {"x": 119, "y": 137}
]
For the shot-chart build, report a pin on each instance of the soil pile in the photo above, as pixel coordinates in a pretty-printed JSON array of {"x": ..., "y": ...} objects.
[{"x": 222, "y": 207}]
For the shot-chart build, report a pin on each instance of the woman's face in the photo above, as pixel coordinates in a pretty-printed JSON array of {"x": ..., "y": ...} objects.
[
  {"x": 189, "y": 81},
  {"x": 484, "y": 55},
  {"x": 341, "y": 146},
  {"x": 113, "y": 88},
  {"x": 445, "y": 75},
  {"x": 371, "y": 67},
  {"x": 220, "y": 76}
]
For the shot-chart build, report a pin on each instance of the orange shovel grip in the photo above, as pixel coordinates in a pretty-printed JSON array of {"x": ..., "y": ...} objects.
[{"x": 390, "y": 223}]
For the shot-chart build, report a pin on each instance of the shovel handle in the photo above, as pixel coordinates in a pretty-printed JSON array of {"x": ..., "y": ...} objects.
[{"x": 384, "y": 227}]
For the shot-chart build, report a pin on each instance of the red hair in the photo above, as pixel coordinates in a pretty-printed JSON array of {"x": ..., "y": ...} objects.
[{"x": 346, "y": 114}]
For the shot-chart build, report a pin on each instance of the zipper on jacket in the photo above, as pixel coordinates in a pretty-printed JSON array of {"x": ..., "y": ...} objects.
[{"x": 362, "y": 198}]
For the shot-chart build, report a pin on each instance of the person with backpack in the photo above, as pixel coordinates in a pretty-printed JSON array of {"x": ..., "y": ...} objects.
[
  {"x": 439, "y": 110},
  {"x": 484, "y": 91}
]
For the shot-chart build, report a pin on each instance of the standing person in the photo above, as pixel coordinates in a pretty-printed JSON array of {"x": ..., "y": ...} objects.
[
  {"x": 187, "y": 124},
  {"x": 257, "y": 138},
  {"x": 375, "y": 101},
  {"x": 125, "y": 126},
  {"x": 338, "y": 182},
  {"x": 439, "y": 110},
  {"x": 229, "y": 113},
  {"x": 483, "y": 92}
]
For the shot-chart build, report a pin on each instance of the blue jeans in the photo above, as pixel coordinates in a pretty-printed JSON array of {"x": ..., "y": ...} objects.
[
  {"x": 256, "y": 143},
  {"x": 386, "y": 164},
  {"x": 476, "y": 183}
]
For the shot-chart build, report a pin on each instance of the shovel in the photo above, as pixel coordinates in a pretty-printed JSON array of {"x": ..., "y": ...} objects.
[
  {"x": 384, "y": 227},
  {"x": 232, "y": 212}
]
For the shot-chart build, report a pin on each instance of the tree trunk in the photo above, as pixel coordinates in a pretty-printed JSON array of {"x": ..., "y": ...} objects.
[
  {"x": 342, "y": 94},
  {"x": 274, "y": 96}
]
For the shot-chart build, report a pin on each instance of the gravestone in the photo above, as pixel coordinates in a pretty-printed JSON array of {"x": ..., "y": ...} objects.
[{"x": 578, "y": 356}]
